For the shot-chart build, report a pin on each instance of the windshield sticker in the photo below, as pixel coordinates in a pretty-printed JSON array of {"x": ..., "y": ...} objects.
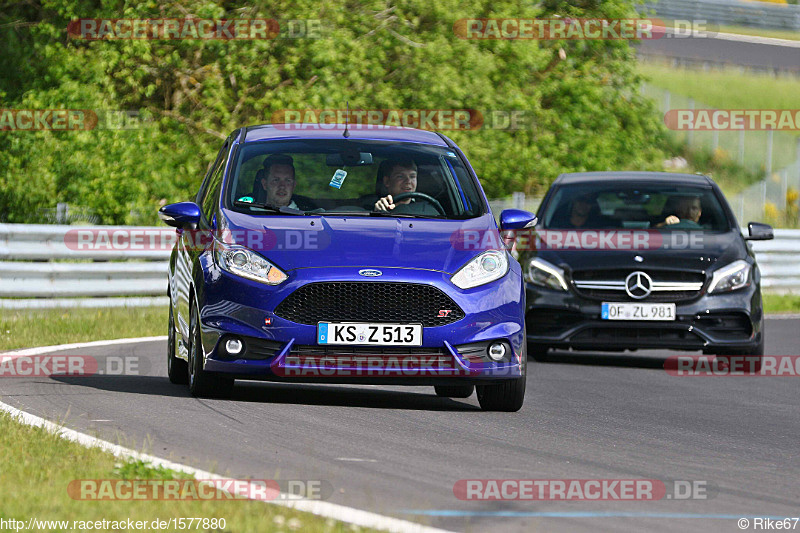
[
  {"x": 246, "y": 199},
  {"x": 338, "y": 178}
]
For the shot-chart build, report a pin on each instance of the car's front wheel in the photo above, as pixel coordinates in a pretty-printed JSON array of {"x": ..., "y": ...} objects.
[
  {"x": 507, "y": 395},
  {"x": 202, "y": 383},
  {"x": 755, "y": 354},
  {"x": 177, "y": 369},
  {"x": 454, "y": 391}
]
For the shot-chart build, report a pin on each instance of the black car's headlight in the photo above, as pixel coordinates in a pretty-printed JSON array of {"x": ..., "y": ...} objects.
[
  {"x": 482, "y": 269},
  {"x": 729, "y": 278},
  {"x": 540, "y": 272},
  {"x": 247, "y": 264}
]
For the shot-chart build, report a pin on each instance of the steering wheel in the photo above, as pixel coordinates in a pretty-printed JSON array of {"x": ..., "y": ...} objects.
[{"x": 422, "y": 196}]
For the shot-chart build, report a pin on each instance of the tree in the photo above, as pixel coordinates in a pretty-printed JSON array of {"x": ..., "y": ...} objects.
[{"x": 580, "y": 98}]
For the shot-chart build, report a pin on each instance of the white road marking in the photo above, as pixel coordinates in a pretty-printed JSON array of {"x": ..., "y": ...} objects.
[
  {"x": 47, "y": 349},
  {"x": 356, "y": 460},
  {"x": 335, "y": 511}
]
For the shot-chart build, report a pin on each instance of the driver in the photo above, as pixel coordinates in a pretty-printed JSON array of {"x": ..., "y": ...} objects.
[
  {"x": 687, "y": 213},
  {"x": 399, "y": 176}
]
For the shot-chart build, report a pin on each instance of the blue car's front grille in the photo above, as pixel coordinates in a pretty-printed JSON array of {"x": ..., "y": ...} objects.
[{"x": 365, "y": 301}]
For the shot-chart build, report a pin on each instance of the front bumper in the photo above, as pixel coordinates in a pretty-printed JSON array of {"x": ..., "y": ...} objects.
[
  {"x": 277, "y": 349},
  {"x": 561, "y": 319}
]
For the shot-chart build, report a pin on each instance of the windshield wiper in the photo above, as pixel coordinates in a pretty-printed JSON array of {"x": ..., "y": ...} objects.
[
  {"x": 403, "y": 215},
  {"x": 284, "y": 210}
]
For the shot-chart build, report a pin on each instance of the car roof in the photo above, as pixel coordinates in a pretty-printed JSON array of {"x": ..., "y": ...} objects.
[
  {"x": 268, "y": 132},
  {"x": 634, "y": 176}
]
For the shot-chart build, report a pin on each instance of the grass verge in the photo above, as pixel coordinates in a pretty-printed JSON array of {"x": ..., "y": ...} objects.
[
  {"x": 782, "y": 303},
  {"x": 38, "y": 466},
  {"x": 726, "y": 88},
  {"x": 42, "y": 327}
]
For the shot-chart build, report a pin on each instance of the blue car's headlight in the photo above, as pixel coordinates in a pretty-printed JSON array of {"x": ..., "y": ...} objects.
[
  {"x": 544, "y": 274},
  {"x": 482, "y": 269},
  {"x": 247, "y": 264},
  {"x": 729, "y": 278}
]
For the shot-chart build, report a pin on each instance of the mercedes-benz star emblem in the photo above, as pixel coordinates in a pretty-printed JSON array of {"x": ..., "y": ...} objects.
[{"x": 638, "y": 285}]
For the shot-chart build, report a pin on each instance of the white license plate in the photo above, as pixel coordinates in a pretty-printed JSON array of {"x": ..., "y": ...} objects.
[
  {"x": 637, "y": 311},
  {"x": 369, "y": 334}
]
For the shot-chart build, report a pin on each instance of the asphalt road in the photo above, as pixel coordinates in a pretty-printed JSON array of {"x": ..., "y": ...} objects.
[
  {"x": 399, "y": 451},
  {"x": 717, "y": 50}
]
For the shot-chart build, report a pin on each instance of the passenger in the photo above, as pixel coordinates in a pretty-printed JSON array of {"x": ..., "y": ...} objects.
[{"x": 278, "y": 181}]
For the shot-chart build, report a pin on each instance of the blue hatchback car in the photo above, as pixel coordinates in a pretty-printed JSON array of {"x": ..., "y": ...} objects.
[{"x": 320, "y": 253}]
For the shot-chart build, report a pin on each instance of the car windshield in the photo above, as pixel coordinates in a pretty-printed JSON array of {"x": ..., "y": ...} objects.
[
  {"x": 635, "y": 206},
  {"x": 345, "y": 177}
]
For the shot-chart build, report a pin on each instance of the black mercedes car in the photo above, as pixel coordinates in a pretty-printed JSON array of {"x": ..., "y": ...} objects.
[{"x": 634, "y": 260}]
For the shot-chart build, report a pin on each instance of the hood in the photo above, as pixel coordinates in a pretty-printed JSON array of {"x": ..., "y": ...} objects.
[
  {"x": 293, "y": 242},
  {"x": 695, "y": 251}
]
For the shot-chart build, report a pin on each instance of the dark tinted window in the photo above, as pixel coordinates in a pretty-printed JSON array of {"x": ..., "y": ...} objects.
[{"x": 634, "y": 205}]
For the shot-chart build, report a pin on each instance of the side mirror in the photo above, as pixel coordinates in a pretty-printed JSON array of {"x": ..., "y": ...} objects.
[
  {"x": 759, "y": 231},
  {"x": 512, "y": 221},
  {"x": 517, "y": 219},
  {"x": 183, "y": 215}
]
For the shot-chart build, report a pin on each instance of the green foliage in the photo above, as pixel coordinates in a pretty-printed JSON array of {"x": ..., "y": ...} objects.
[{"x": 583, "y": 96}]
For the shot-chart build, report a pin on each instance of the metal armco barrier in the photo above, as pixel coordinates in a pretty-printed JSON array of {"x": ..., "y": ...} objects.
[
  {"x": 99, "y": 266},
  {"x": 779, "y": 261},
  {"x": 729, "y": 12},
  {"x": 111, "y": 275}
]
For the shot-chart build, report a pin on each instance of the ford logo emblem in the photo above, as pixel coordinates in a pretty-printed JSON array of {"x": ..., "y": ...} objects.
[{"x": 370, "y": 273}]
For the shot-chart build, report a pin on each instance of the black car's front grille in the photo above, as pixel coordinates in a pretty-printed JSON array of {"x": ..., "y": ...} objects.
[
  {"x": 637, "y": 336},
  {"x": 584, "y": 279},
  {"x": 622, "y": 273},
  {"x": 364, "y": 301},
  {"x": 621, "y": 296}
]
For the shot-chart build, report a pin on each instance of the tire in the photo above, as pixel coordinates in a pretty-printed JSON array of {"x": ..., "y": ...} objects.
[
  {"x": 177, "y": 369},
  {"x": 454, "y": 391},
  {"x": 203, "y": 384},
  {"x": 508, "y": 395},
  {"x": 756, "y": 351}
]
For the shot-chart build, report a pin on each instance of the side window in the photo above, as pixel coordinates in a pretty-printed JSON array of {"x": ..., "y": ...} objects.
[{"x": 211, "y": 194}]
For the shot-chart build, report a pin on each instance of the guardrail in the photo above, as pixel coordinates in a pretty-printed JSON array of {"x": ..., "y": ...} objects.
[
  {"x": 123, "y": 275},
  {"x": 730, "y": 12},
  {"x": 779, "y": 261},
  {"x": 126, "y": 272}
]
